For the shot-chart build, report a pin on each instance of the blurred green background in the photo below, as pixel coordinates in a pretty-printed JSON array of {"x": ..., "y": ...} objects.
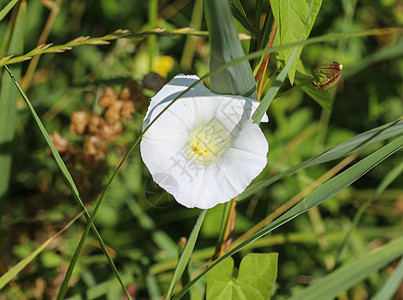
[{"x": 140, "y": 223}]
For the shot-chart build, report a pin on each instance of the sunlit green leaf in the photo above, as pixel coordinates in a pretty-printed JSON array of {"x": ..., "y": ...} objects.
[
  {"x": 256, "y": 276},
  {"x": 295, "y": 19}
]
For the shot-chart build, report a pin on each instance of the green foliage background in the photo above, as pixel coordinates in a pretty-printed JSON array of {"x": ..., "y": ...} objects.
[{"x": 141, "y": 225}]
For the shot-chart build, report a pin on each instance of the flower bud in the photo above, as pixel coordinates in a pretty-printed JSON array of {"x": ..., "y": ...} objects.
[{"x": 326, "y": 75}]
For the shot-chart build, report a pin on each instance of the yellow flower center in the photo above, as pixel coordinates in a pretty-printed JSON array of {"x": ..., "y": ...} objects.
[{"x": 207, "y": 142}]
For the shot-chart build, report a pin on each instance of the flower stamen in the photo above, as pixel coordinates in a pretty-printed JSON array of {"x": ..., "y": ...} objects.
[{"x": 207, "y": 142}]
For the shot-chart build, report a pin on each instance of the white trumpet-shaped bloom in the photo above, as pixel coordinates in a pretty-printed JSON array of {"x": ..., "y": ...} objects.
[{"x": 204, "y": 149}]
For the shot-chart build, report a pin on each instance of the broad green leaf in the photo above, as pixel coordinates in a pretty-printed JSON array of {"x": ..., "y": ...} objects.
[
  {"x": 186, "y": 253},
  {"x": 255, "y": 280},
  {"x": 295, "y": 19},
  {"x": 392, "y": 285},
  {"x": 7, "y": 8},
  {"x": 321, "y": 194},
  {"x": 8, "y": 104},
  {"x": 225, "y": 47},
  {"x": 353, "y": 145},
  {"x": 322, "y": 96},
  {"x": 352, "y": 273}
]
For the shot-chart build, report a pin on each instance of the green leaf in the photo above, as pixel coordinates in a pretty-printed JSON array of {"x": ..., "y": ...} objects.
[
  {"x": 392, "y": 285},
  {"x": 8, "y": 104},
  {"x": 255, "y": 280},
  {"x": 349, "y": 275},
  {"x": 295, "y": 19},
  {"x": 7, "y": 8},
  {"x": 186, "y": 253},
  {"x": 322, "y": 96},
  {"x": 225, "y": 47}
]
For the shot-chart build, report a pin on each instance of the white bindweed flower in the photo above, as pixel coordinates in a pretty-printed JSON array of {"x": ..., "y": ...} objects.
[{"x": 204, "y": 149}]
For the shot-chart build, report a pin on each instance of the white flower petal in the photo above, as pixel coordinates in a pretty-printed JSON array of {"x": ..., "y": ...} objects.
[{"x": 174, "y": 147}]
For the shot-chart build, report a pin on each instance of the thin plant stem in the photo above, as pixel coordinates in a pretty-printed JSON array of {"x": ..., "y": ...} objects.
[
  {"x": 263, "y": 66},
  {"x": 229, "y": 227}
]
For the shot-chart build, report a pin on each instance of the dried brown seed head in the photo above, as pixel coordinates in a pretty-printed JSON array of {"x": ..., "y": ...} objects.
[
  {"x": 95, "y": 124},
  {"x": 108, "y": 97},
  {"x": 60, "y": 142},
  {"x": 127, "y": 110},
  {"x": 109, "y": 132},
  {"x": 112, "y": 114},
  {"x": 79, "y": 122}
]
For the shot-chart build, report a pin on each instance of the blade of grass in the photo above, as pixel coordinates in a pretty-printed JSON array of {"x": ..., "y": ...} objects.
[
  {"x": 256, "y": 24},
  {"x": 353, "y": 145},
  {"x": 26, "y": 82},
  {"x": 69, "y": 180},
  {"x": 186, "y": 253},
  {"x": 14, "y": 271},
  {"x": 152, "y": 21},
  {"x": 240, "y": 15},
  {"x": 190, "y": 45},
  {"x": 273, "y": 90},
  {"x": 125, "y": 34},
  {"x": 347, "y": 276},
  {"x": 8, "y": 105},
  {"x": 391, "y": 286},
  {"x": 161, "y": 239},
  {"x": 324, "y": 192},
  {"x": 389, "y": 178},
  {"x": 101, "y": 289},
  {"x": 225, "y": 47},
  {"x": 7, "y": 8},
  {"x": 294, "y": 200}
]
